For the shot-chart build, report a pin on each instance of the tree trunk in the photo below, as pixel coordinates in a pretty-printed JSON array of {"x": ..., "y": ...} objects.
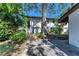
[{"x": 43, "y": 21}]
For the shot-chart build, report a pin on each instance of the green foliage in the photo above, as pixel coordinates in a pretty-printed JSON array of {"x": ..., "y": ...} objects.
[
  {"x": 57, "y": 29},
  {"x": 39, "y": 35},
  {"x": 11, "y": 12},
  {"x": 57, "y": 32},
  {"x": 5, "y": 30},
  {"x": 19, "y": 36},
  {"x": 20, "y": 21},
  {"x": 11, "y": 20},
  {"x": 8, "y": 49}
]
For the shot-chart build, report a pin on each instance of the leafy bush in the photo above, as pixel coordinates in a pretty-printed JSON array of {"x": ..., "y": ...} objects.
[
  {"x": 19, "y": 36},
  {"x": 57, "y": 29},
  {"x": 5, "y": 30},
  {"x": 10, "y": 20},
  {"x": 39, "y": 35}
]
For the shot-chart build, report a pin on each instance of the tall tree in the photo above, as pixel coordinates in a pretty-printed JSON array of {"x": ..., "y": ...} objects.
[
  {"x": 41, "y": 10},
  {"x": 50, "y": 6},
  {"x": 62, "y": 10},
  {"x": 44, "y": 5}
]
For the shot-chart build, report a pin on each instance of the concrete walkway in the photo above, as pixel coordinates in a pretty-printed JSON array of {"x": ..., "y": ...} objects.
[
  {"x": 64, "y": 46},
  {"x": 48, "y": 49}
]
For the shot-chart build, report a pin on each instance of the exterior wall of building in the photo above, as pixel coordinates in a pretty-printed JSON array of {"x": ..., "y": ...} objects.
[
  {"x": 74, "y": 28},
  {"x": 65, "y": 29},
  {"x": 36, "y": 23}
]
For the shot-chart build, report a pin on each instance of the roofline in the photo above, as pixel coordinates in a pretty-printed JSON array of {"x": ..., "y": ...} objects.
[
  {"x": 72, "y": 9},
  {"x": 48, "y": 19},
  {"x": 38, "y": 17}
]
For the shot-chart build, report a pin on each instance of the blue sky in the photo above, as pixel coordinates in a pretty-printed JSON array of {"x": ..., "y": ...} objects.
[{"x": 55, "y": 14}]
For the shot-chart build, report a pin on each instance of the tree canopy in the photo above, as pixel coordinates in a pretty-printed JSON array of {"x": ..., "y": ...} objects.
[{"x": 53, "y": 10}]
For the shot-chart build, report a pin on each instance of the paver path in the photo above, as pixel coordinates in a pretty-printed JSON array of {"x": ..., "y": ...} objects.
[
  {"x": 50, "y": 47},
  {"x": 46, "y": 49}
]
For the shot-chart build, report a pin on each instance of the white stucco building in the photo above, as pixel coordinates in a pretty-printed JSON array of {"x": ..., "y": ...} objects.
[
  {"x": 73, "y": 20},
  {"x": 35, "y": 23},
  {"x": 74, "y": 28}
]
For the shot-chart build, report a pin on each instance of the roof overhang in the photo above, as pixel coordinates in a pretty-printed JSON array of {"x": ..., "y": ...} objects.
[
  {"x": 48, "y": 19},
  {"x": 71, "y": 10}
]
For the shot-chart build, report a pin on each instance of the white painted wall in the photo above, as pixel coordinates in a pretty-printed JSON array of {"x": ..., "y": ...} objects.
[
  {"x": 49, "y": 25},
  {"x": 65, "y": 28},
  {"x": 36, "y": 22},
  {"x": 74, "y": 28}
]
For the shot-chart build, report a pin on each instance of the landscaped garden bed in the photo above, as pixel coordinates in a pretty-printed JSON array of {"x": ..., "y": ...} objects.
[
  {"x": 7, "y": 49},
  {"x": 11, "y": 37}
]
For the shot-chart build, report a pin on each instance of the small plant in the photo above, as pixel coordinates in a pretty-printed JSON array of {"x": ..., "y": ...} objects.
[
  {"x": 39, "y": 35},
  {"x": 19, "y": 36}
]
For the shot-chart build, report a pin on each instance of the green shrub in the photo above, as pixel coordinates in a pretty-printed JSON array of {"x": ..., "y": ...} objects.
[
  {"x": 57, "y": 29},
  {"x": 39, "y": 35},
  {"x": 19, "y": 36},
  {"x": 5, "y": 30}
]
